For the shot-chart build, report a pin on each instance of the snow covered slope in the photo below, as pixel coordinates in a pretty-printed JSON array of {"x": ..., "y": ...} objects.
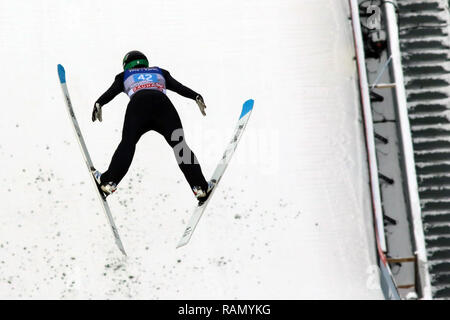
[{"x": 292, "y": 216}]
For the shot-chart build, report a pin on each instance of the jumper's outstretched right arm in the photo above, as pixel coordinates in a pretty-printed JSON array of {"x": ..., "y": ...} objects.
[
  {"x": 177, "y": 87},
  {"x": 174, "y": 85}
]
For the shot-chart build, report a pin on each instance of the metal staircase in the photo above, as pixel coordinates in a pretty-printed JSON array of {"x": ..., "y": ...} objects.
[{"x": 425, "y": 46}]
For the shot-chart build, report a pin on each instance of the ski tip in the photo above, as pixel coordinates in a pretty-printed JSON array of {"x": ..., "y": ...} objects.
[
  {"x": 247, "y": 107},
  {"x": 61, "y": 73}
]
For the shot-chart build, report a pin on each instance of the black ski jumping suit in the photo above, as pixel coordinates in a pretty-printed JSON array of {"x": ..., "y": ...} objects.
[{"x": 150, "y": 109}]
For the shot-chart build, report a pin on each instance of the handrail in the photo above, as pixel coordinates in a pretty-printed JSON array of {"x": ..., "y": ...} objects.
[
  {"x": 368, "y": 126},
  {"x": 387, "y": 281}
]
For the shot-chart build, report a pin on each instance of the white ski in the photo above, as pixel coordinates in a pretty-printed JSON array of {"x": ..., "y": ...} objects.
[
  {"x": 218, "y": 173},
  {"x": 87, "y": 158}
]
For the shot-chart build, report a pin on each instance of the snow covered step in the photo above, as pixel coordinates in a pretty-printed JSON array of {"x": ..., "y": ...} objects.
[
  {"x": 421, "y": 58},
  {"x": 440, "y": 204},
  {"x": 429, "y": 6},
  {"x": 412, "y": 46},
  {"x": 426, "y": 129},
  {"x": 422, "y": 144},
  {"x": 429, "y": 120},
  {"x": 425, "y": 70},
  {"x": 423, "y": 128},
  {"x": 430, "y": 132},
  {"x": 434, "y": 188},
  {"x": 434, "y": 194},
  {"x": 434, "y": 169},
  {"x": 430, "y": 87},
  {"x": 413, "y": 104},
  {"x": 443, "y": 278},
  {"x": 426, "y": 83},
  {"x": 423, "y": 176},
  {"x": 408, "y": 19},
  {"x": 442, "y": 39},
  {"x": 432, "y": 181},
  {"x": 429, "y": 139},
  {"x": 441, "y": 292},
  {"x": 432, "y": 145},
  {"x": 431, "y": 108},
  {"x": 426, "y": 96},
  {"x": 433, "y": 217},
  {"x": 439, "y": 230},
  {"x": 437, "y": 183},
  {"x": 435, "y": 205},
  {"x": 423, "y": 104},
  {"x": 440, "y": 266},
  {"x": 432, "y": 156},
  {"x": 439, "y": 49},
  {"x": 438, "y": 242},
  {"x": 420, "y": 33}
]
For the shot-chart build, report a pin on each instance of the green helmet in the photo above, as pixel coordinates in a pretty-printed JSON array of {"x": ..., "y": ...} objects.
[{"x": 134, "y": 59}]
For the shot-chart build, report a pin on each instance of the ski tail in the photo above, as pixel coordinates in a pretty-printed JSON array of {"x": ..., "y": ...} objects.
[{"x": 219, "y": 171}]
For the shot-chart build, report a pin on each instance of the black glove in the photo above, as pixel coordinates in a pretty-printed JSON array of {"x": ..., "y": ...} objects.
[
  {"x": 97, "y": 112},
  {"x": 201, "y": 104}
]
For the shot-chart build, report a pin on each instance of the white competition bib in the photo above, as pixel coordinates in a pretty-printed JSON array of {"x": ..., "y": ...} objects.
[{"x": 144, "y": 79}]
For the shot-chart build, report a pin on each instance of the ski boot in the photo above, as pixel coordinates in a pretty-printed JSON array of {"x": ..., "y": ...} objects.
[
  {"x": 105, "y": 189},
  {"x": 203, "y": 195}
]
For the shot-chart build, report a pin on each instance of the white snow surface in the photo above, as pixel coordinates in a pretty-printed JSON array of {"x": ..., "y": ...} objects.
[{"x": 292, "y": 217}]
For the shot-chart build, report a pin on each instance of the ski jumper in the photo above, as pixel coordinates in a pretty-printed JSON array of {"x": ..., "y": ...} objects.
[{"x": 150, "y": 109}]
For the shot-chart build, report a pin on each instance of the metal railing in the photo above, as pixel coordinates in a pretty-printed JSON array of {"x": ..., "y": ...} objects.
[{"x": 387, "y": 280}]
